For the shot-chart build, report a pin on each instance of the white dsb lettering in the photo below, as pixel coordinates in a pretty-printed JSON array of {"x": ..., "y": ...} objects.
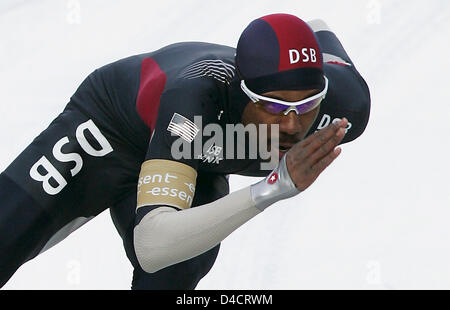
[
  {"x": 294, "y": 56},
  {"x": 53, "y": 174},
  {"x": 67, "y": 158},
  {"x": 306, "y": 55},
  {"x": 312, "y": 52},
  {"x": 326, "y": 120},
  {"x": 81, "y": 138}
]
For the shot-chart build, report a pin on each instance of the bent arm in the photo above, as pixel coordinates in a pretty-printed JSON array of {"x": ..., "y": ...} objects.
[
  {"x": 166, "y": 236},
  {"x": 348, "y": 94}
]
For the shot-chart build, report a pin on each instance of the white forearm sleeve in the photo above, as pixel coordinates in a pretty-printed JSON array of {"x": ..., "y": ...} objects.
[{"x": 165, "y": 237}]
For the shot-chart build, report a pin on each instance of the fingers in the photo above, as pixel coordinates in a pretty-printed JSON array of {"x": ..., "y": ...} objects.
[
  {"x": 309, "y": 158},
  {"x": 315, "y": 141},
  {"x": 324, "y": 149},
  {"x": 319, "y": 167}
]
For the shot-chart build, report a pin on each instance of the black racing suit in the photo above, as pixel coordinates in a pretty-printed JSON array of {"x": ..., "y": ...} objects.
[{"x": 89, "y": 158}]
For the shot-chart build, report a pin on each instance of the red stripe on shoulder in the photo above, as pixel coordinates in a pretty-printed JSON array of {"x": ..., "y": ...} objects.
[
  {"x": 339, "y": 63},
  {"x": 153, "y": 82}
]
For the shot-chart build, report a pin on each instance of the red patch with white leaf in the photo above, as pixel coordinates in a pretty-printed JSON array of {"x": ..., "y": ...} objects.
[{"x": 273, "y": 178}]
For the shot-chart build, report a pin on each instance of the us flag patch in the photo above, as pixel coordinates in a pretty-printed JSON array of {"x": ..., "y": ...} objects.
[{"x": 182, "y": 127}]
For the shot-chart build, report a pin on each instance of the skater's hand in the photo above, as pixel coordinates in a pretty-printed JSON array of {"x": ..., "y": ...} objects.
[{"x": 307, "y": 159}]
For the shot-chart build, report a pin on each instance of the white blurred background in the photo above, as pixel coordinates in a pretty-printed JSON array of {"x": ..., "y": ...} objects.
[{"x": 378, "y": 218}]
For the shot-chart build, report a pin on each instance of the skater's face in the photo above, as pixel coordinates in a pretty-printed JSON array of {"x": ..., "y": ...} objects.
[{"x": 293, "y": 127}]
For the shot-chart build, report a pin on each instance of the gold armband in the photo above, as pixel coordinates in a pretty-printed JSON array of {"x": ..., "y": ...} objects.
[{"x": 166, "y": 182}]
